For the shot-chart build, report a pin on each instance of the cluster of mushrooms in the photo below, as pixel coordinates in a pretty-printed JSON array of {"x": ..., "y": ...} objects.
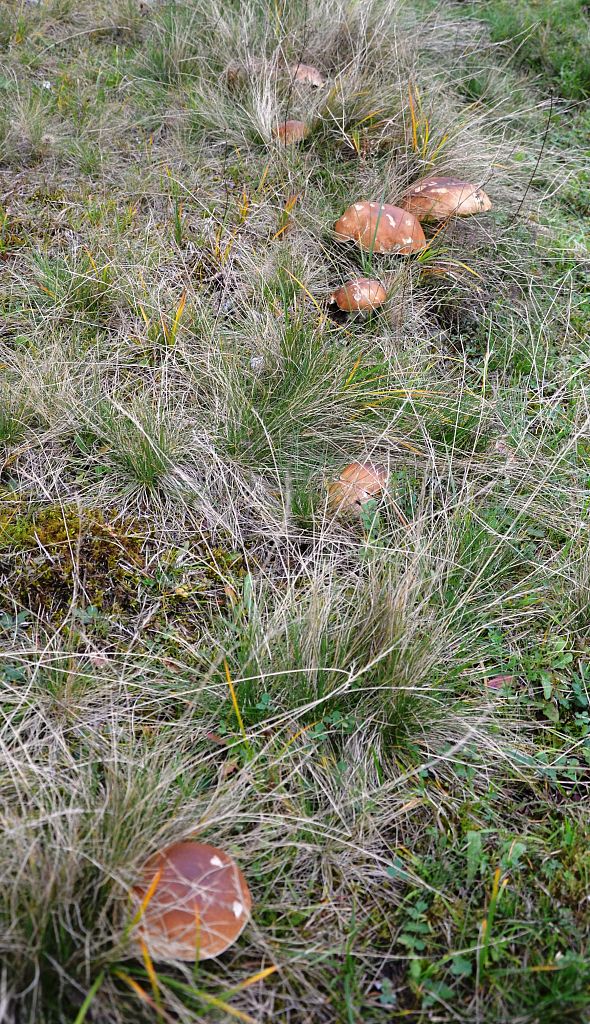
[
  {"x": 193, "y": 901},
  {"x": 382, "y": 228}
]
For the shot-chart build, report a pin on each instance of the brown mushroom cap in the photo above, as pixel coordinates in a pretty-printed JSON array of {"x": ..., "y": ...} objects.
[
  {"x": 361, "y": 293},
  {"x": 308, "y": 74},
  {"x": 438, "y": 198},
  {"x": 199, "y": 906},
  {"x": 380, "y": 227},
  {"x": 290, "y": 132},
  {"x": 356, "y": 485}
]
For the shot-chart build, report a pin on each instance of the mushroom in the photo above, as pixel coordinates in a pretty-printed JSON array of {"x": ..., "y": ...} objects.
[
  {"x": 361, "y": 293},
  {"x": 380, "y": 227},
  {"x": 356, "y": 485},
  {"x": 199, "y": 902},
  {"x": 438, "y": 198},
  {"x": 290, "y": 132},
  {"x": 308, "y": 74}
]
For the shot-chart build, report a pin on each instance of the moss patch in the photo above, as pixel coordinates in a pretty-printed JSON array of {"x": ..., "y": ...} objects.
[{"x": 57, "y": 555}]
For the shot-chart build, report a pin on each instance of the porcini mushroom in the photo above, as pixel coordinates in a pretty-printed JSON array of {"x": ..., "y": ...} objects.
[
  {"x": 356, "y": 485},
  {"x": 381, "y": 228},
  {"x": 199, "y": 902},
  {"x": 290, "y": 132},
  {"x": 361, "y": 293},
  {"x": 307, "y": 74},
  {"x": 438, "y": 198}
]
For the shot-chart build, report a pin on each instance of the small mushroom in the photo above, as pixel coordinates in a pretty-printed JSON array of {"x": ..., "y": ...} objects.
[
  {"x": 380, "y": 227},
  {"x": 290, "y": 132},
  {"x": 199, "y": 902},
  {"x": 356, "y": 485},
  {"x": 361, "y": 293},
  {"x": 307, "y": 74},
  {"x": 437, "y": 198}
]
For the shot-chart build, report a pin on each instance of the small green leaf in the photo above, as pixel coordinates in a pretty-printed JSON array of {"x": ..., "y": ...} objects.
[
  {"x": 396, "y": 869},
  {"x": 461, "y": 967},
  {"x": 474, "y": 852},
  {"x": 547, "y": 685},
  {"x": 515, "y": 852},
  {"x": 551, "y": 711}
]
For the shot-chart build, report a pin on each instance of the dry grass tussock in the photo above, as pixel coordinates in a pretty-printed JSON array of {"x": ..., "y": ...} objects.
[{"x": 174, "y": 397}]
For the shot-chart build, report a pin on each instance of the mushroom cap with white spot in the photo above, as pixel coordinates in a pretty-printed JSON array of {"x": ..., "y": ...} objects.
[
  {"x": 199, "y": 905},
  {"x": 438, "y": 198},
  {"x": 380, "y": 228},
  {"x": 362, "y": 293}
]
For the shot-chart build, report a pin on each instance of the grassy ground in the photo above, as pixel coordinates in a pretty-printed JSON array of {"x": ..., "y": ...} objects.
[
  {"x": 551, "y": 39},
  {"x": 173, "y": 400}
]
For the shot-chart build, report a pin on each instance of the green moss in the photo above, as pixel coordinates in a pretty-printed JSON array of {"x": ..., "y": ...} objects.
[
  {"x": 45, "y": 553},
  {"x": 50, "y": 555}
]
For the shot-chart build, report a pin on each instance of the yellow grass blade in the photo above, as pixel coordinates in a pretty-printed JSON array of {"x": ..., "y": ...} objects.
[
  {"x": 262, "y": 178},
  {"x": 136, "y": 987},
  {"x": 305, "y": 290},
  {"x": 259, "y": 976},
  {"x": 146, "y": 899},
  {"x": 177, "y": 316},
  {"x": 413, "y": 116},
  {"x": 234, "y": 699},
  {"x": 469, "y": 269},
  {"x": 300, "y": 732},
  {"x": 92, "y": 263},
  {"x": 438, "y": 148},
  {"x": 426, "y": 137},
  {"x": 220, "y": 1004},
  {"x": 350, "y": 377},
  {"x": 144, "y": 315},
  {"x": 281, "y": 231},
  {"x": 149, "y": 966}
]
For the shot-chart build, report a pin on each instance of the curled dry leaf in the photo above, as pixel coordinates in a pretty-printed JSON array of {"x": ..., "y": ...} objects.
[
  {"x": 380, "y": 228},
  {"x": 497, "y": 682},
  {"x": 199, "y": 902},
  {"x": 362, "y": 293},
  {"x": 356, "y": 485},
  {"x": 437, "y": 198}
]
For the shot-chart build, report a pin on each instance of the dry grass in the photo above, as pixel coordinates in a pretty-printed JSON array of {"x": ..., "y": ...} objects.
[{"x": 173, "y": 399}]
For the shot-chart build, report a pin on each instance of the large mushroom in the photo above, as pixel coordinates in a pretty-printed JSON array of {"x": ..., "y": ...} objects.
[
  {"x": 362, "y": 293},
  {"x": 307, "y": 74},
  {"x": 381, "y": 228},
  {"x": 437, "y": 198},
  {"x": 357, "y": 484},
  {"x": 195, "y": 902},
  {"x": 291, "y": 132}
]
